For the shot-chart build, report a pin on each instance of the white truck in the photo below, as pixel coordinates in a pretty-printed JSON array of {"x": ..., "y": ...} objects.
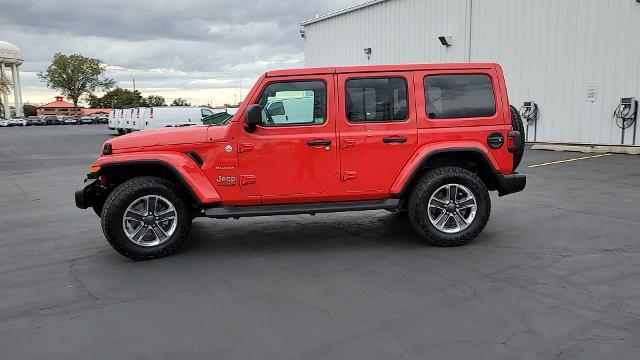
[
  {"x": 172, "y": 116},
  {"x": 137, "y": 119},
  {"x": 113, "y": 123}
]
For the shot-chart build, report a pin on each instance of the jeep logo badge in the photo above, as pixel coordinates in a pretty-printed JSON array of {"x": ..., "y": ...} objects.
[{"x": 228, "y": 148}]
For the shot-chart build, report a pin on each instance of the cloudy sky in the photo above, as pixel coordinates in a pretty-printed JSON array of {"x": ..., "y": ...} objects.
[{"x": 201, "y": 50}]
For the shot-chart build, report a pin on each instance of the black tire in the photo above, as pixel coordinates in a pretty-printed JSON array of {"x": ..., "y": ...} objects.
[
  {"x": 417, "y": 206},
  {"x": 517, "y": 125},
  {"x": 126, "y": 193},
  {"x": 120, "y": 131}
]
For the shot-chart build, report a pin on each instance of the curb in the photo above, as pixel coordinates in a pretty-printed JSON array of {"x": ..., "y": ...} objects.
[{"x": 589, "y": 149}]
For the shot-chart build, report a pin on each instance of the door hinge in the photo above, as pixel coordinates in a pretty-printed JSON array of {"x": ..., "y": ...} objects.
[
  {"x": 244, "y": 147},
  {"x": 247, "y": 179},
  {"x": 349, "y": 175},
  {"x": 348, "y": 142}
]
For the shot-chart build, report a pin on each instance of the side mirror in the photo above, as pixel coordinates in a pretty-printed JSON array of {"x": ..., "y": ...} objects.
[{"x": 253, "y": 117}]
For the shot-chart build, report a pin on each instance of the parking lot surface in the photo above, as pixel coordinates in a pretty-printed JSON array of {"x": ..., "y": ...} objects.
[{"x": 554, "y": 275}]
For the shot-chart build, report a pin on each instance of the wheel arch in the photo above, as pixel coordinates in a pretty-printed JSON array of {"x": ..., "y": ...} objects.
[
  {"x": 470, "y": 158},
  {"x": 178, "y": 168}
]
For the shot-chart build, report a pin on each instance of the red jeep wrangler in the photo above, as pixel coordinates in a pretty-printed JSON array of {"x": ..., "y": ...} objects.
[{"x": 428, "y": 140}]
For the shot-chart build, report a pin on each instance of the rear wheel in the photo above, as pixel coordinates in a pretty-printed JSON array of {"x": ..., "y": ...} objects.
[
  {"x": 449, "y": 206},
  {"x": 146, "y": 218},
  {"x": 121, "y": 131}
]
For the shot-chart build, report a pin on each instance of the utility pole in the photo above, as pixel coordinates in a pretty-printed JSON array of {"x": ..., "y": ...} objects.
[{"x": 134, "y": 82}]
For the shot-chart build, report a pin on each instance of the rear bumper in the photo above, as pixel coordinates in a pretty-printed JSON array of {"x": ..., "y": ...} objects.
[
  {"x": 87, "y": 193},
  {"x": 510, "y": 184}
]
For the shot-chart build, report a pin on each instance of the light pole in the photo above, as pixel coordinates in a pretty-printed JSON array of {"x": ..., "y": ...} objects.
[{"x": 134, "y": 82}]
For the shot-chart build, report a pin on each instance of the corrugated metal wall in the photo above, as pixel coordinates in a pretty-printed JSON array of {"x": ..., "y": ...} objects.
[
  {"x": 398, "y": 31},
  {"x": 551, "y": 52}
]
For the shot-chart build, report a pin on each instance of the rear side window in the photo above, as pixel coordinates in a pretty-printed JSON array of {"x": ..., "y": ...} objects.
[
  {"x": 206, "y": 112},
  {"x": 376, "y": 100},
  {"x": 459, "y": 96},
  {"x": 294, "y": 103}
]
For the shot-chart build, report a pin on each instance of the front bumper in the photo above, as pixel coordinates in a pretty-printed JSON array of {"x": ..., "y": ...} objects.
[
  {"x": 510, "y": 184},
  {"x": 87, "y": 193}
]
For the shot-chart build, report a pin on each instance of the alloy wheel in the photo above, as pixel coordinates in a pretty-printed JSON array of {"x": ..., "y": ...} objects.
[
  {"x": 452, "y": 208},
  {"x": 150, "y": 220}
]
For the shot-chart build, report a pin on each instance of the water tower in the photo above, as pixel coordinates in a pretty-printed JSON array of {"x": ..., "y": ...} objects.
[{"x": 11, "y": 57}]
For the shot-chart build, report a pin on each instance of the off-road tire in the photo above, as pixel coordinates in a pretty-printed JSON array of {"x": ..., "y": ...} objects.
[
  {"x": 417, "y": 206},
  {"x": 117, "y": 203},
  {"x": 517, "y": 125}
]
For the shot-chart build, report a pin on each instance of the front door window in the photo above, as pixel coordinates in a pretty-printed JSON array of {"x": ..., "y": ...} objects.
[{"x": 294, "y": 103}]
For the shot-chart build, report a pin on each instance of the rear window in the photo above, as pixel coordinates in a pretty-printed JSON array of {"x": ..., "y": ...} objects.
[
  {"x": 376, "y": 100},
  {"x": 459, "y": 96}
]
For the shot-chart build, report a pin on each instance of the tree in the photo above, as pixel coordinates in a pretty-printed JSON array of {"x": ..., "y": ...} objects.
[
  {"x": 117, "y": 98},
  {"x": 180, "y": 102},
  {"x": 76, "y": 75},
  {"x": 154, "y": 100},
  {"x": 5, "y": 89},
  {"x": 29, "y": 110}
]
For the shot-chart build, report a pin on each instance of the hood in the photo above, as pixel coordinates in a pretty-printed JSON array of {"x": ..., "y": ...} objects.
[
  {"x": 160, "y": 137},
  {"x": 146, "y": 139}
]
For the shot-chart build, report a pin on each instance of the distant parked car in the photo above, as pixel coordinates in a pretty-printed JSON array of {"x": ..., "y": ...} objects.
[
  {"x": 4, "y": 122},
  {"x": 102, "y": 119},
  {"x": 35, "y": 121},
  {"x": 70, "y": 120},
  {"x": 52, "y": 120},
  {"x": 17, "y": 121},
  {"x": 87, "y": 120}
]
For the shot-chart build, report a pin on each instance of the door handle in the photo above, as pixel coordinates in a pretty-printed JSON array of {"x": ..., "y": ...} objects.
[
  {"x": 395, "y": 140},
  {"x": 319, "y": 142}
]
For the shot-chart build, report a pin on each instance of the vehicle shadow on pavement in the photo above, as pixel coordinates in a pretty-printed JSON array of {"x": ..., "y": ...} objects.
[{"x": 301, "y": 233}]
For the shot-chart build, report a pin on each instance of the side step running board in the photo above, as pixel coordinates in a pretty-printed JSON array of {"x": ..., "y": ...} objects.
[{"x": 224, "y": 212}]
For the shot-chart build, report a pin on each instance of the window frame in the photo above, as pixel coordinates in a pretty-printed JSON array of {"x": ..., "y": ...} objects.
[
  {"x": 493, "y": 92},
  {"x": 202, "y": 112},
  {"x": 382, "y": 76},
  {"x": 290, "y": 80}
]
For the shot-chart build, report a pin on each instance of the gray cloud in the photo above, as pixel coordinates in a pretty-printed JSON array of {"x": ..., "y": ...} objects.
[{"x": 195, "y": 44}]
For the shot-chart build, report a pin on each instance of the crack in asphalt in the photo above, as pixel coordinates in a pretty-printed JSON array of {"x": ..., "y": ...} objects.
[{"x": 77, "y": 279}]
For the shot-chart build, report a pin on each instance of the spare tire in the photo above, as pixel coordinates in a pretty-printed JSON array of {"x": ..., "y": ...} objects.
[{"x": 517, "y": 125}]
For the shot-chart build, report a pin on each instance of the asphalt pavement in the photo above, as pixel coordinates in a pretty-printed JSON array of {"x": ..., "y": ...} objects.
[{"x": 554, "y": 275}]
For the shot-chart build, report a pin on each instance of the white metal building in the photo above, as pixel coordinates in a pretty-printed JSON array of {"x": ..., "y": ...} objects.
[{"x": 575, "y": 58}]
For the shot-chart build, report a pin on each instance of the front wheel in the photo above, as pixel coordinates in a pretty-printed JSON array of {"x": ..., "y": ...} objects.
[
  {"x": 449, "y": 206},
  {"x": 145, "y": 218}
]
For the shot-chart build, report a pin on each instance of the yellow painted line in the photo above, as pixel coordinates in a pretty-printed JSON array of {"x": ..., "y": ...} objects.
[{"x": 568, "y": 160}]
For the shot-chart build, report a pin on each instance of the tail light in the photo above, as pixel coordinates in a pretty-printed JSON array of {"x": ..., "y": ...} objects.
[{"x": 514, "y": 140}]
